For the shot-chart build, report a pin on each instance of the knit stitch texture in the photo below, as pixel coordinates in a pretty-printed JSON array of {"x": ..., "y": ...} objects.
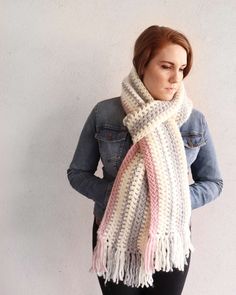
[{"x": 145, "y": 227}]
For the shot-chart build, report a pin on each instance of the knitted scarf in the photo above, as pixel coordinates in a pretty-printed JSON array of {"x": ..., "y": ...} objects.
[{"x": 145, "y": 226}]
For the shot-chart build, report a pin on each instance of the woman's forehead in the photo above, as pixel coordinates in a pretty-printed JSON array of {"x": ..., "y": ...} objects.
[{"x": 174, "y": 54}]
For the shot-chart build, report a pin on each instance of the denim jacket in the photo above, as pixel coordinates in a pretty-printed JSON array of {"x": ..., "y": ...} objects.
[{"x": 105, "y": 137}]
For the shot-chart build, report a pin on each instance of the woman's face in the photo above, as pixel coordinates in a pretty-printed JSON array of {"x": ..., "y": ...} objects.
[{"x": 165, "y": 71}]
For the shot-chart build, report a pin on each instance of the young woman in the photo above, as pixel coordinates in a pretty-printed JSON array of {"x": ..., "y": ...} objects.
[{"x": 148, "y": 140}]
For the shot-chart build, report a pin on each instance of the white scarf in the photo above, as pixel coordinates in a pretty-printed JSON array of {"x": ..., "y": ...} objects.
[{"x": 145, "y": 227}]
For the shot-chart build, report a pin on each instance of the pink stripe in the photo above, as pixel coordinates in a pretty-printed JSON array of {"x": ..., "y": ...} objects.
[{"x": 116, "y": 186}]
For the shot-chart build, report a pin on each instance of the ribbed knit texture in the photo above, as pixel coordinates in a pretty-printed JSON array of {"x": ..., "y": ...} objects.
[{"x": 146, "y": 223}]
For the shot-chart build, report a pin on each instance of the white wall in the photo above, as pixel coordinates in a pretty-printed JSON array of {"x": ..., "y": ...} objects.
[{"x": 58, "y": 58}]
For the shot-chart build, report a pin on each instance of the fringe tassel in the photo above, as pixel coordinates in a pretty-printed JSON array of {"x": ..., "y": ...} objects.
[
  {"x": 99, "y": 258},
  {"x": 149, "y": 254},
  {"x": 161, "y": 253}
]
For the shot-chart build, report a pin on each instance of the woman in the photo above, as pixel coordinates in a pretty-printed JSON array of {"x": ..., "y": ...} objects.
[{"x": 148, "y": 139}]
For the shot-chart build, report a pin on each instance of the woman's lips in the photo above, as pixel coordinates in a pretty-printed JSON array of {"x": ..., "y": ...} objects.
[{"x": 170, "y": 89}]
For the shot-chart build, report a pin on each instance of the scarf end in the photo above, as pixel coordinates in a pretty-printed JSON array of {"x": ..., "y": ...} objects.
[
  {"x": 136, "y": 269},
  {"x": 118, "y": 264},
  {"x": 163, "y": 253}
]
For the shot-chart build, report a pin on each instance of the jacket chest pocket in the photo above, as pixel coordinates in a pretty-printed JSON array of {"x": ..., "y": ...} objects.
[
  {"x": 112, "y": 147},
  {"x": 192, "y": 144}
]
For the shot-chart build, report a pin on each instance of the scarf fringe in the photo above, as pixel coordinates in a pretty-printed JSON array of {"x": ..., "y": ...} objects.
[{"x": 161, "y": 254}]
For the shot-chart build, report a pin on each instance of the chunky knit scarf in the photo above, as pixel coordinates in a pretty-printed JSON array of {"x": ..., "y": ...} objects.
[{"x": 145, "y": 226}]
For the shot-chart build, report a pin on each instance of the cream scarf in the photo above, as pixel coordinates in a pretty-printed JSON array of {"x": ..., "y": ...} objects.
[{"x": 146, "y": 223}]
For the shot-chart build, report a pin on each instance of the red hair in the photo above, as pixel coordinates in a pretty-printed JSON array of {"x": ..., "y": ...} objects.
[{"x": 155, "y": 38}]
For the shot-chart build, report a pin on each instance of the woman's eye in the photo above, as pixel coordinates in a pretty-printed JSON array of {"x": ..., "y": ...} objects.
[{"x": 165, "y": 67}]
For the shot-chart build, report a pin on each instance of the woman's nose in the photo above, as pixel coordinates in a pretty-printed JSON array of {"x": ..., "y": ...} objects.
[{"x": 176, "y": 77}]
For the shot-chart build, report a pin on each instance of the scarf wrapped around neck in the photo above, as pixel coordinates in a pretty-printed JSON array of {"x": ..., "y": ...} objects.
[{"x": 145, "y": 227}]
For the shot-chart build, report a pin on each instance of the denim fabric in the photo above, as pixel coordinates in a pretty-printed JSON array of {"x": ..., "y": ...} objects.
[{"x": 105, "y": 137}]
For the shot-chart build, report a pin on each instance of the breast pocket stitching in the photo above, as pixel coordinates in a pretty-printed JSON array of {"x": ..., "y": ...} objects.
[
  {"x": 111, "y": 143},
  {"x": 193, "y": 140}
]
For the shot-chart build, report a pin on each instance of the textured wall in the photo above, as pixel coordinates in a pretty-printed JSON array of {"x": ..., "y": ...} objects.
[{"x": 58, "y": 58}]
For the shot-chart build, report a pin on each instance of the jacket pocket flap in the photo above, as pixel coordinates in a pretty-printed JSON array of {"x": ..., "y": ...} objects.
[
  {"x": 193, "y": 140},
  {"x": 110, "y": 135}
]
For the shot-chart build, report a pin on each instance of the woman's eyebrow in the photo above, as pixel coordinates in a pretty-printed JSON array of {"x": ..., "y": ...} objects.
[{"x": 169, "y": 62}]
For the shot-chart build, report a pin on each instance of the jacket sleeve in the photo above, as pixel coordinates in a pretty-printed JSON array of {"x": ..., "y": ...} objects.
[
  {"x": 208, "y": 182},
  {"x": 84, "y": 164}
]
